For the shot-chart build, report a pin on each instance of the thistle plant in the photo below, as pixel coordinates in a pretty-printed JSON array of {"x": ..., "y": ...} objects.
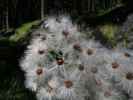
[{"x": 60, "y": 63}]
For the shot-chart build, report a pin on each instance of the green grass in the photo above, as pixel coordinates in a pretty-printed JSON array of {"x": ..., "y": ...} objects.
[
  {"x": 22, "y": 31},
  {"x": 109, "y": 31}
]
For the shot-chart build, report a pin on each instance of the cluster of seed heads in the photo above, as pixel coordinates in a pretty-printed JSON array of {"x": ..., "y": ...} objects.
[{"x": 61, "y": 64}]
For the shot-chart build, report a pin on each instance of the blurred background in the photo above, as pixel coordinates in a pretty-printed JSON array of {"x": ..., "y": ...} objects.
[{"x": 16, "y": 12}]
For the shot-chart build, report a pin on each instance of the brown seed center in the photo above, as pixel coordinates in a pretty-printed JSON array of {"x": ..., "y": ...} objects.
[
  {"x": 68, "y": 83},
  {"x": 107, "y": 93},
  {"x": 81, "y": 67},
  {"x": 94, "y": 70},
  {"x": 129, "y": 76},
  {"x": 41, "y": 52},
  {"x": 39, "y": 71},
  {"x": 65, "y": 33},
  {"x": 89, "y": 51},
  {"x": 127, "y": 54},
  {"x": 77, "y": 47},
  {"x": 60, "y": 61},
  {"x": 115, "y": 65},
  {"x": 43, "y": 38}
]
